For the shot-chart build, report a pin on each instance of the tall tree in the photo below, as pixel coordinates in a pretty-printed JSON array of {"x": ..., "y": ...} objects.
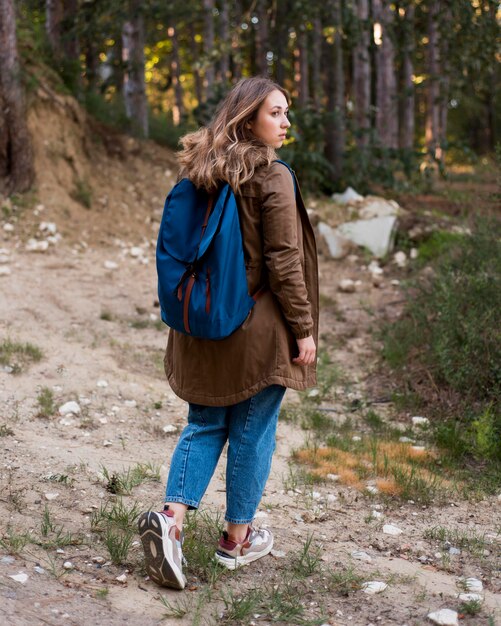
[
  {"x": 335, "y": 139},
  {"x": 208, "y": 40},
  {"x": 16, "y": 153},
  {"x": 262, "y": 38},
  {"x": 301, "y": 66},
  {"x": 407, "y": 103},
  {"x": 136, "y": 105},
  {"x": 224, "y": 34},
  {"x": 53, "y": 23},
  {"x": 362, "y": 74},
  {"x": 179, "y": 110},
  {"x": 316, "y": 62},
  {"x": 432, "y": 122},
  {"x": 386, "y": 81}
]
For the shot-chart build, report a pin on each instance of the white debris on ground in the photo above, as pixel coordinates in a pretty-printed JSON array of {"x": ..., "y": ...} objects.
[
  {"x": 374, "y": 586},
  {"x": 70, "y": 407},
  {"x": 444, "y": 617},
  {"x": 391, "y": 529}
]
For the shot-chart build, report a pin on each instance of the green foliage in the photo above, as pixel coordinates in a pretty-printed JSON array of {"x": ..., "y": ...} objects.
[
  {"x": 437, "y": 244},
  {"x": 123, "y": 482},
  {"x": 16, "y": 355},
  {"x": 451, "y": 328},
  {"x": 45, "y": 401},
  {"x": 82, "y": 193}
]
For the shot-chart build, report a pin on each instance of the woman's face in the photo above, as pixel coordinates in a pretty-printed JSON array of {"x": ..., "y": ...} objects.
[{"x": 271, "y": 123}]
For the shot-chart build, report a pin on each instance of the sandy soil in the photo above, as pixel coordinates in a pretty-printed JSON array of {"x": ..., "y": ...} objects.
[{"x": 95, "y": 324}]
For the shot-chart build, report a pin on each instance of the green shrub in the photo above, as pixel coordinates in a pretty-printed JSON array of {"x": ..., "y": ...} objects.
[{"x": 450, "y": 331}]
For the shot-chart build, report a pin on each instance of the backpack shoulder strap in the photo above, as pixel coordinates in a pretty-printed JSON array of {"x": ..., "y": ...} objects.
[{"x": 290, "y": 170}]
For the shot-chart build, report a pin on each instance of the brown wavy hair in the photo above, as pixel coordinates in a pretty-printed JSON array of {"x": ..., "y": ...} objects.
[{"x": 226, "y": 150}]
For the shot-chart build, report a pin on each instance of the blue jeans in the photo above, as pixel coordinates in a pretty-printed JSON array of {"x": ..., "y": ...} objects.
[{"x": 249, "y": 427}]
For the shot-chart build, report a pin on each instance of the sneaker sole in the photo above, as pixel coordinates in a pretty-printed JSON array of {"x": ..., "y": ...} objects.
[
  {"x": 232, "y": 562},
  {"x": 159, "y": 552}
]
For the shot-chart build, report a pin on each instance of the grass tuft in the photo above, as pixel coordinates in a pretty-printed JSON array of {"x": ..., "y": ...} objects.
[{"x": 16, "y": 356}]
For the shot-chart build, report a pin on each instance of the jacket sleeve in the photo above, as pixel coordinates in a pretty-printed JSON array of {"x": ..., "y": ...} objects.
[{"x": 281, "y": 251}]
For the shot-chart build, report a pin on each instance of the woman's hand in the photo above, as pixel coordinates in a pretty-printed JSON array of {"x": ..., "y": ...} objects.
[{"x": 307, "y": 351}]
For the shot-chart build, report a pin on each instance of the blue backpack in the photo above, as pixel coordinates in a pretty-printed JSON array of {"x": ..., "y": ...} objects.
[{"x": 202, "y": 283}]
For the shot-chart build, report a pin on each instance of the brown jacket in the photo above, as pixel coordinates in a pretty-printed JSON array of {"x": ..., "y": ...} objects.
[{"x": 280, "y": 253}]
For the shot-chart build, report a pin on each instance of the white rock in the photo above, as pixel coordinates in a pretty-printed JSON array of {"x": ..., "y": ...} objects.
[
  {"x": 377, "y": 235},
  {"x": 374, "y": 268},
  {"x": 69, "y": 407},
  {"x": 38, "y": 570},
  {"x": 347, "y": 285},
  {"x": 373, "y": 206},
  {"x": 51, "y": 496},
  {"x": 372, "y": 489},
  {"x": 122, "y": 578},
  {"x": 360, "y": 555},
  {"x": 356, "y": 438},
  {"x": 395, "y": 282},
  {"x": 99, "y": 560},
  {"x": 313, "y": 393},
  {"x": 400, "y": 259},
  {"x": 348, "y": 195},
  {"x": 454, "y": 551},
  {"x": 103, "y": 420},
  {"x": 7, "y": 559},
  {"x": 67, "y": 421},
  {"x": 136, "y": 251},
  {"x": 474, "y": 585},
  {"x": 417, "y": 420},
  {"x": 338, "y": 246},
  {"x": 19, "y": 578},
  {"x": 49, "y": 227},
  {"x": 471, "y": 597},
  {"x": 374, "y": 586},
  {"x": 405, "y": 440},
  {"x": 102, "y": 383},
  {"x": 107, "y": 443},
  {"x": 331, "y": 497},
  {"x": 418, "y": 448},
  {"x": 261, "y": 514},
  {"x": 54, "y": 239},
  {"x": 8, "y": 228},
  {"x": 131, "y": 403},
  {"x": 444, "y": 617},
  {"x": 414, "y": 253},
  {"x": 376, "y": 514},
  {"x": 37, "y": 246},
  {"x": 391, "y": 529},
  {"x": 68, "y": 565},
  {"x": 60, "y": 551},
  {"x": 5, "y": 271},
  {"x": 4, "y": 258},
  {"x": 169, "y": 428},
  {"x": 110, "y": 265},
  {"x": 333, "y": 477}
]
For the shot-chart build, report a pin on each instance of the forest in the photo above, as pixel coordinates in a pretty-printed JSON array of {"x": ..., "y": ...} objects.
[{"x": 380, "y": 89}]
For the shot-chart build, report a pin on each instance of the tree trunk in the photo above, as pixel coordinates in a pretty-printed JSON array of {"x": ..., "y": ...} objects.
[
  {"x": 70, "y": 43},
  {"x": 407, "y": 116},
  {"x": 195, "y": 55},
  {"x": 282, "y": 37},
  {"x": 432, "y": 121},
  {"x": 236, "y": 49},
  {"x": 335, "y": 127},
  {"x": 178, "y": 111},
  {"x": 301, "y": 67},
  {"x": 16, "y": 153},
  {"x": 262, "y": 40},
  {"x": 386, "y": 83},
  {"x": 208, "y": 41},
  {"x": 53, "y": 21},
  {"x": 444, "y": 71},
  {"x": 225, "y": 42},
  {"x": 362, "y": 76},
  {"x": 136, "y": 106},
  {"x": 316, "y": 75}
]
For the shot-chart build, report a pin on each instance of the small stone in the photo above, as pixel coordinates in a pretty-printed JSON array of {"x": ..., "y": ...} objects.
[
  {"x": 438, "y": 555},
  {"x": 347, "y": 285},
  {"x": 418, "y": 448},
  {"x": 360, "y": 555},
  {"x": 261, "y": 514},
  {"x": 131, "y": 404},
  {"x": 331, "y": 497},
  {"x": 99, "y": 560},
  {"x": 444, "y": 617},
  {"x": 474, "y": 585},
  {"x": 102, "y": 383},
  {"x": 169, "y": 428},
  {"x": 279, "y": 554},
  {"x": 471, "y": 597},
  {"x": 7, "y": 559},
  {"x": 417, "y": 420},
  {"x": 19, "y": 578},
  {"x": 122, "y": 578},
  {"x": 414, "y": 253},
  {"x": 374, "y": 586},
  {"x": 5, "y": 271},
  {"x": 107, "y": 443},
  {"x": 60, "y": 551},
  {"x": 69, "y": 407},
  {"x": 38, "y": 570},
  {"x": 391, "y": 529},
  {"x": 454, "y": 551},
  {"x": 313, "y": 393},
  {"x": 37, "y": 246},
  {"x": 356, "y": 438},
  {"x": 51, "y": 496},
  {"x": 405, "y": 440},
  {"x": 110, "y": 265},
  {"x": 8, "y": 228},
  {"x": 333, "y": 477},
  {"x": 400, "y": 259},
  {"x": 372, "y": 489},
  {"x": 67, "y": 421},
  {"x": 376, "y": 515},
  {"x": 68, "y": 565},
  {"x": 49, "y": 227},
  {"x": 348, "y": 195},
  {"x": 136, "y": 251},
  {"x": 374, "y": 268},
  {"x": 395, "y": 282}
]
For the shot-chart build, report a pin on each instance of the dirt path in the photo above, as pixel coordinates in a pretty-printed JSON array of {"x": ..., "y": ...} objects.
[{"x": 99, "y": 333}]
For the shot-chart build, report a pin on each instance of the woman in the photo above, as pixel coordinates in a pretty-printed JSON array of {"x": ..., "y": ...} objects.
[{"x": 234, "y": 387}]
